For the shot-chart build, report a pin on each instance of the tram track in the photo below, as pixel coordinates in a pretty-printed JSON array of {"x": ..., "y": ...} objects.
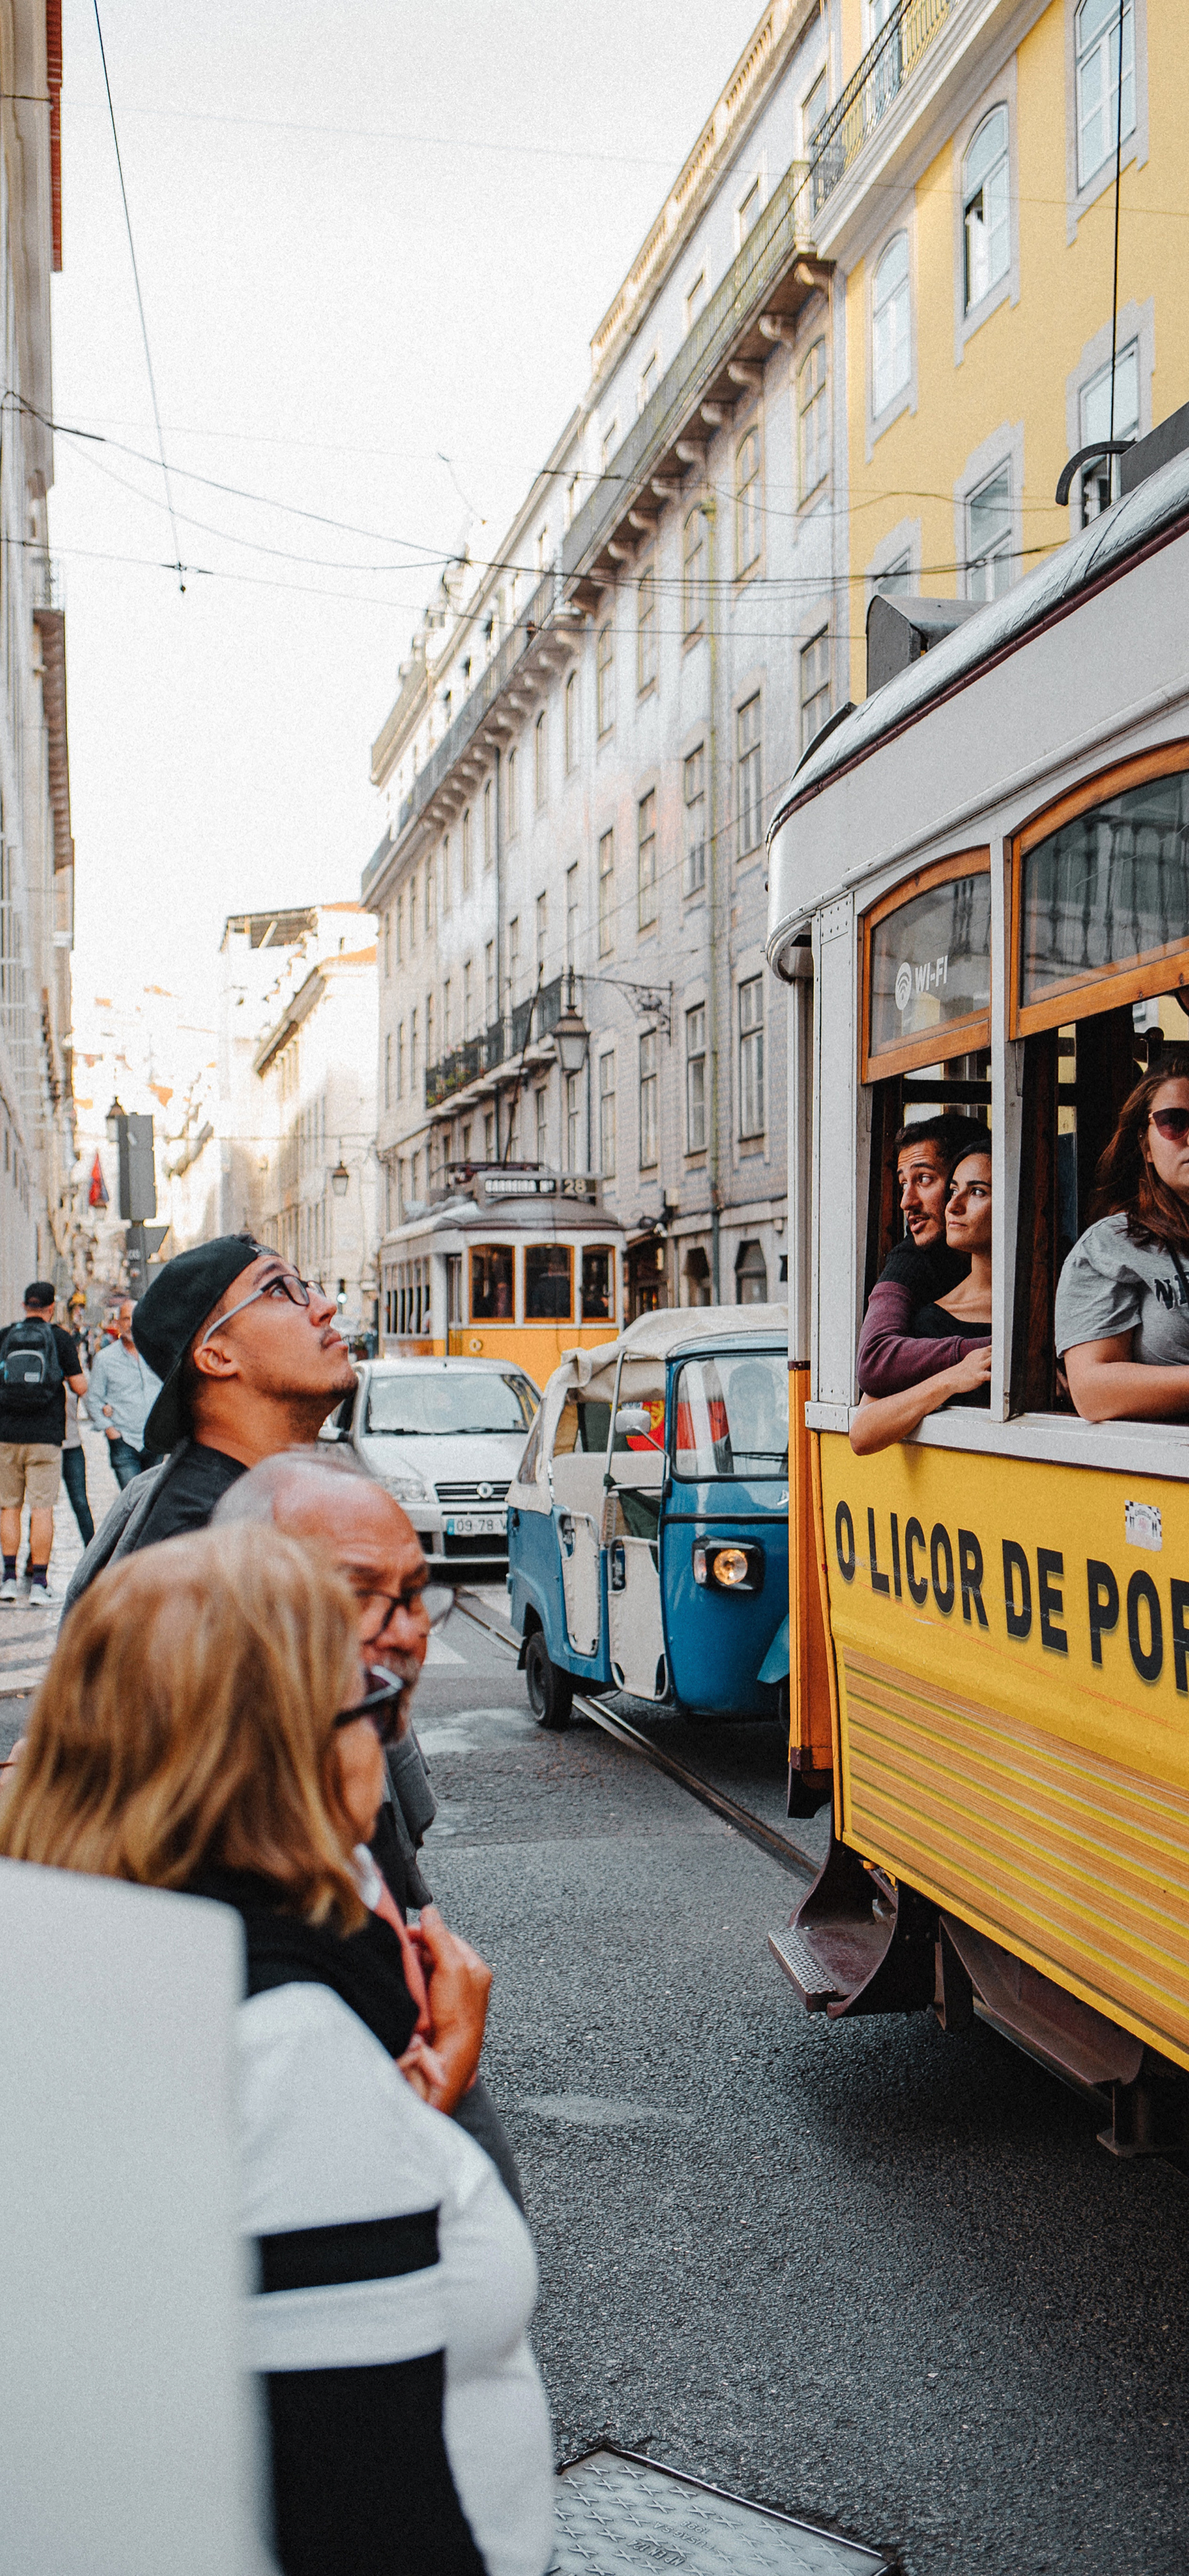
[{"x": 778, "y": 1846}]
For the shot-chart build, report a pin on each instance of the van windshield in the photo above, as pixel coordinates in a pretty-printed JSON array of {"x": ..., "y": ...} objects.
[
  {"x": 732, "y": 1417},
  {"x": 447, "y": 1403}
]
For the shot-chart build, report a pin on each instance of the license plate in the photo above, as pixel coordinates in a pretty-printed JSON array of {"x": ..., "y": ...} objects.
[{"x": 476, "y": 1525}]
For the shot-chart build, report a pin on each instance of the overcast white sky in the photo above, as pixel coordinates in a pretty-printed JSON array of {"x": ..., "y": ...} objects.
[{"x": 327, "y": 309}]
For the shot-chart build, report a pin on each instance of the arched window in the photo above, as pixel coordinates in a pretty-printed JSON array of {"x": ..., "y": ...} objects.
[
  {"x": 986, "y": 210},
  {"x": 812, "y": 400},
  {"x": 747, "y": 501},
  {"x": 891, "y": 342},
  {"x": 693, "y": 573},
  {"x": 1096, "y": 49}
]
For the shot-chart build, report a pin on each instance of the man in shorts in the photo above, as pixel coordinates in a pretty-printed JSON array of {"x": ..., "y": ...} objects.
[{"x": 38, "y": 1361}]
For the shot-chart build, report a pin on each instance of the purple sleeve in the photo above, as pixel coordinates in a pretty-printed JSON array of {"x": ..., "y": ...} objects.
[{"x": 889, "y": 1359}]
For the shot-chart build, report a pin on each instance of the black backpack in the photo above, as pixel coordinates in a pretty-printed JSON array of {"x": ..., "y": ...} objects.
[{"x": 30, "y": 1369}]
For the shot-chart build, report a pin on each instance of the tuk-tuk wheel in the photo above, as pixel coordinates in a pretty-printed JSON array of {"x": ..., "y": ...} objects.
[{"x": 550, "y": 1692}]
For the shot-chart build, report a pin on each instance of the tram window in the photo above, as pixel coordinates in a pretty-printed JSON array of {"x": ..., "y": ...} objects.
[
  {"x": 492, "y": 1284},
  {"x": 598, "y": 1285},
  {"x": 454, "y": 1288},
  {"x": 548, "y": 1293},
  {"x": 927, "y": 967},
  {"x": 732, "y": 1418},
  {"x": 1076, "y": 1079},
  {"x": 1103, "y": 894}
]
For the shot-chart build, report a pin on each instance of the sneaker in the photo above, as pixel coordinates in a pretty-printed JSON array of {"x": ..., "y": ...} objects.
[
  {"x": 39, "y": 1597},
  {"x": 9, "y": 1593}
]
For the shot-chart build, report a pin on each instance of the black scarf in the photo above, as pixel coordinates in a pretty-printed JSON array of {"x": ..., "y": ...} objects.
[{"x": 365, "y": 1968}]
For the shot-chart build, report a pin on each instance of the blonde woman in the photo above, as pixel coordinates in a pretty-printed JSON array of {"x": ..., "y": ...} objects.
[{"x": 206, "y": 1726}]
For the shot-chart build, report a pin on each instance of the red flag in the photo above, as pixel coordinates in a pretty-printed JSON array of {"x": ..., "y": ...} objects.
[{"x": 97, "y": 1193}]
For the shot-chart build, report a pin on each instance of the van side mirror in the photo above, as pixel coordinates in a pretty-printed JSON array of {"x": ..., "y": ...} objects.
[{"x": 633, "y": 1421}]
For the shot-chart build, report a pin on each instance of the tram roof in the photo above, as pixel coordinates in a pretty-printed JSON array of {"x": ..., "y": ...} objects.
[
  {"x": 488, "y": 1210},
  {"x": 1152, "y": 515}
]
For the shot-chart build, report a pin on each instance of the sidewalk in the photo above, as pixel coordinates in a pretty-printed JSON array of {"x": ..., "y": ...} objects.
[{"x": 27, "y": 1636}]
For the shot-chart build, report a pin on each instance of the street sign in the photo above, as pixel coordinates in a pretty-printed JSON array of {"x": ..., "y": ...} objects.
[{"x": 138, "y": 1180}]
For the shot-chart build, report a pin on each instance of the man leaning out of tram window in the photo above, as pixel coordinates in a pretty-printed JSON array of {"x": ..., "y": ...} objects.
[
  {"x": 922, "y": 1266},
  {"x": 1122, "y": 1312},
  {"x": 959, "y": 1320}
]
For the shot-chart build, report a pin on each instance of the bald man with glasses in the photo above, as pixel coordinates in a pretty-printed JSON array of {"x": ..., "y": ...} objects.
[{"x": 251, "y": 1361}]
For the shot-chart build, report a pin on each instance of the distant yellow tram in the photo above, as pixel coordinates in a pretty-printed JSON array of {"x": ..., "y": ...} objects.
[
  {"x": 512, "y": 1263},
  {"x": 980, "y": 899}
]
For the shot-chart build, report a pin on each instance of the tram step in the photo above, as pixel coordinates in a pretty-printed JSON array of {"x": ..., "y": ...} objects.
[{"x": 803, "y": 1968}]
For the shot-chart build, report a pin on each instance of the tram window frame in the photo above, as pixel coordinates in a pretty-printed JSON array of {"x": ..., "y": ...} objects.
[
  {"x": 505, "y": 1255},
  {"x": 535, "y": 1279},
  {"x": 1109, "y": 987},
  {"x": 957, "y": 1037},
  {"x": 592, "y": 1252}
]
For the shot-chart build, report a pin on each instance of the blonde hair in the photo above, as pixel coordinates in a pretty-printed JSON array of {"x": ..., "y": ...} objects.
[{"x": 187, "y": 1722}]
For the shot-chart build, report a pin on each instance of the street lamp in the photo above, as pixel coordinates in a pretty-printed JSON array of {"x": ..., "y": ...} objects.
[
  {"x": 113, "y": 1122},
  {"x": 340, "y": 1179},
  {"x": 571, "y": 1035}
]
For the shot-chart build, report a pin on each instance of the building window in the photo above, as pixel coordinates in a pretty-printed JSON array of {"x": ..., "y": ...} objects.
[
  {"x": 542, "y": 931},
  {"x": 489, "y": 1148},
  {"x": 541, "y": 1101},
  {"x": 429, "y": 1029},
  {"x": 607, "y": 1114},
  {"x": 646, "y": 629},
  {"x": 749, "y": 832},
  {"x": 400, "y": 1061},
  {"x": 650, "y": 376},
  {"x": 607, "y": 894},
  {"x": 751, "y": 1275},
  {"x": 572, "y": 916},
  {"x": 573, "y": 500},
  {"x": 468, "y": 999},
  {"x": 891, "y": 346},
  {"x": 447, "y": 889},
  {"x": 893, "y": 583},
  {"x": 605, "y": 678},
  {"x": 427, "y": 883},
  {"x": 400, "y": 929},
  {"x": 513, "y": 795},
  {"x": 412, "y": 916},
  {"x": 513, "y": 957},
  {"x": 986, "y": 208},
  {"x": 542, "y": 549},
  {"x": 648, "y": 1090},
  {"x": 541, "y": 760},
  {"x": 413, "y": 1051},
  {"x": 693, "y": 574},
  {"x": 813, "y": 409},
  {"x": 695, "y": 1079},
  {"x": 646, "y": 860},
  {"x": 693, "y": 875},
  {"x": 751, "y": 1057},
  {"x": 489, "y": 993},
  {"x": 747, "y": 213},
  {"x": 747, "y": 502},
  {"x": 814, "y": 110},
  {"x": 573, "y": 1122},
  {"x": 1100, "y": 481},
  {"x": 815, "y": 686},
  {"x": 488, "y": 827},
  {"x": 695, "y": 298},
  {"x": 1096, "y": 48},
  {"x": 388, "y": 1070},
  {"x": 988, "y": 569},
  {"x": 570, "y": 708},
  {"x": 388, "y": 943},
  {"x": 466, "y": 852},
  {"x": 447, "y": 1017},
  {"x": 610, "y": 443}
]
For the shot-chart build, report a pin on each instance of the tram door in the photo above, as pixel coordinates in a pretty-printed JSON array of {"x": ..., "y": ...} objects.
[{"x": 635, "y": 1619}]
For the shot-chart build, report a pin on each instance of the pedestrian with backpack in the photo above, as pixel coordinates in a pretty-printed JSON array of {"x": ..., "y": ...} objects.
[{"x": 38, "y": 1361}]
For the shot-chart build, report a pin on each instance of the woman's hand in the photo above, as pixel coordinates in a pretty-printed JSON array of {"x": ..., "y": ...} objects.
[
  {"x": 971, "y": 1372},
  {"x": 882, "y": 1420},
  {"x": 458, "y": 1983}
]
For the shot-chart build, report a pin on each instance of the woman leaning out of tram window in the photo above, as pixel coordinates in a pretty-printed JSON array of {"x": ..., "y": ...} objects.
[
  {"x": 1122, "y": 1311},
  {"x": 204, "y": 1727},
  {"x": 964, "y": 1312}
]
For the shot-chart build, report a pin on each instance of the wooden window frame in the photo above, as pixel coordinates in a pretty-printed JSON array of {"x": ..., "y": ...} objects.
[
  {"x": 1077, "y": 998},
  {"x": 958, "y": 1037}
]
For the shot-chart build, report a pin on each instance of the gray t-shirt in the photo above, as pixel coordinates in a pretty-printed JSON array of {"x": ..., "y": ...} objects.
[{"x": 1111, "y": 1285}]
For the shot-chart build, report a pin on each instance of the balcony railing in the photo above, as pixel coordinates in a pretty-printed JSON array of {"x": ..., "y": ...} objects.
[
  {"x": 871, "y": 91},
  {"x": 501, "y": 1043}
]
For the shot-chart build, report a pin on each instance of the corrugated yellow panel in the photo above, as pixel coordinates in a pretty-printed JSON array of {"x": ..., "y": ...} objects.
[{"x": 1078, "y": 1864}]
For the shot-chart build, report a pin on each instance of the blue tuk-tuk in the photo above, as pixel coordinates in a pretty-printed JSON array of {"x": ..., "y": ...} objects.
[{"x": 648, "y": 1519}]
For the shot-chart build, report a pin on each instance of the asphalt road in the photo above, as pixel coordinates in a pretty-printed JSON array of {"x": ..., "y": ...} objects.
[{"x": 873, "y": 2275}]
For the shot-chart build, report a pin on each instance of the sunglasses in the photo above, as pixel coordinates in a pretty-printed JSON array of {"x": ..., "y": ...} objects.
[
  {"x": 380, "y": 1704},
  {"x": 432, "y": 1602},
  {"x": 1173, "y": 1123}
]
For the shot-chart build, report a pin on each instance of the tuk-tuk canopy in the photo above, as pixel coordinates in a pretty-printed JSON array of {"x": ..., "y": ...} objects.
[{"x": 644, "y": 1349}]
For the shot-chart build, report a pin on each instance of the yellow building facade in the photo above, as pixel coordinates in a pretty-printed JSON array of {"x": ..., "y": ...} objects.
[{"x": 965, "y": 197}]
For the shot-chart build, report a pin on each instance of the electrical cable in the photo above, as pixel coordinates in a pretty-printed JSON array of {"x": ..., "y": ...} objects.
[{"x": 144, "y": 328}]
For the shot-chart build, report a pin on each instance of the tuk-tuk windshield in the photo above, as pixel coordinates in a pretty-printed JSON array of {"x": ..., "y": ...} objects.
[{"x": 732, "y": 1417}]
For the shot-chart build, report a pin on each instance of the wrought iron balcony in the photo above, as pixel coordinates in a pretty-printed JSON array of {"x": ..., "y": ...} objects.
[
  {"x": 501, "y": 1044},
  {"x": 871, "y": 90}
]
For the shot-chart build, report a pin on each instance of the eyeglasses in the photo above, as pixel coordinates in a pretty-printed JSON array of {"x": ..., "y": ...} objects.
[
  {"x": 285, "y": 1284},
  {"x": 432, "y": 1602},
  {"x": 1173, "y": 1123},
  {"x": 380, "y": 1704}
]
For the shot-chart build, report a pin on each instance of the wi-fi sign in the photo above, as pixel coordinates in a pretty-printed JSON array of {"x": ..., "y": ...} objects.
[{"x": 903, "y": 987}]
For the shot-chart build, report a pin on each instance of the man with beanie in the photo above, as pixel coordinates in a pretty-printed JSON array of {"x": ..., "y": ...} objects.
[
  {"x": 38, "y": 1361},
  {"x": 250, "y": 1360}
]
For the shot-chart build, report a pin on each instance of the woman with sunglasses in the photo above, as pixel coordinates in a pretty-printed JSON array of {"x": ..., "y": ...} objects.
[
  {"x": 1122, "y": 1310},
  {"x": 206, "y": 1726}
]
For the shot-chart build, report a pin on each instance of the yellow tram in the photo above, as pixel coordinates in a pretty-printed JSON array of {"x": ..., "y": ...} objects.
[
  {"x": 510, "y": 1262},
  {"x": 980, "y": 897}
]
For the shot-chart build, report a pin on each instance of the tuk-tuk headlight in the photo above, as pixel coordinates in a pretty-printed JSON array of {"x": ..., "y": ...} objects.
[{"x": 727, "y": 1568}]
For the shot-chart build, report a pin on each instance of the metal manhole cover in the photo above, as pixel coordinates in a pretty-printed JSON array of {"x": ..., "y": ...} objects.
[{"x": 621, "y": 2516}]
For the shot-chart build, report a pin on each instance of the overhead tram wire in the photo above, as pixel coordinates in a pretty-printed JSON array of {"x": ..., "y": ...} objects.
[{"x": 144, "y": 328}]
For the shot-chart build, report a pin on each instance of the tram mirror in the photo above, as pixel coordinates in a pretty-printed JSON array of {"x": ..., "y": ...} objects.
[
  {"x": 927, "y": 968},
  {"x": 548, "y": 1293},
  {"x": 598, "y": 1284},
  {"x": 493, "y": 1292},
  {"x": 1103, "y": 894}
]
